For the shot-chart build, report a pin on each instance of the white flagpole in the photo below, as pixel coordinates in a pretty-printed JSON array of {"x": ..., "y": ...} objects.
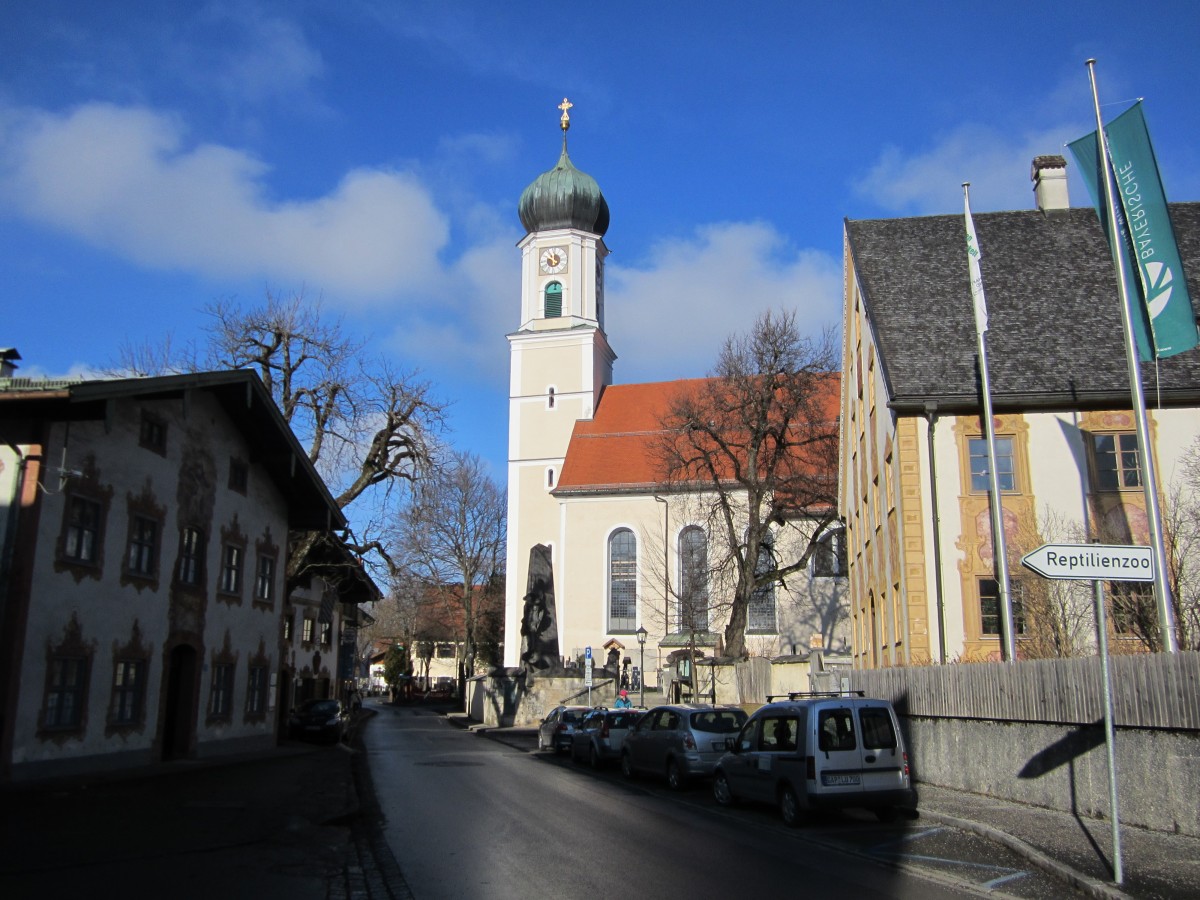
[
  {"x": 1162, "y": 590},
  {"x": 999, "y": 544}
]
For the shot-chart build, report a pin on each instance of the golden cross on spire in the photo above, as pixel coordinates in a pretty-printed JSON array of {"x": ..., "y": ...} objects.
[{"x": 565, "y": 121}]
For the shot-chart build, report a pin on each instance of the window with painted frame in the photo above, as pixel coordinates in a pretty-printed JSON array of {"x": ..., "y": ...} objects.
[
  {"x": 264, "y": 579},
  {"x": 977, "y": 449},
  {"x": 141, "y": 557},
  {"x": 66, "y": 693},
  {"x": 1116, "y": 461},
  {"x": 231, "y": 569},
  {"x": 191, "y": 557},
  {"x": 990, "y": 613},
  {"x": 83, "y": 530},
  {"x": 829, "y": 555},
  {"x": 256, "y": 691},
  {"x": 129, "y": 692},
  {"x": 220, "y": 703}
]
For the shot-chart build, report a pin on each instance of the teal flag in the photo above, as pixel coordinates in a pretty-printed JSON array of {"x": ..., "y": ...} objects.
[{"x": 1164, "y": 323}]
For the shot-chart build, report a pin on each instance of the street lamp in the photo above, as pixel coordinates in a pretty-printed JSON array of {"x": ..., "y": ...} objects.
[{"x": 641, "y": 636}]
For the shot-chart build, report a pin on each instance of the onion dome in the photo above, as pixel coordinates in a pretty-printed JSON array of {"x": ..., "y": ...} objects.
[{"x": 564, "y": 197}]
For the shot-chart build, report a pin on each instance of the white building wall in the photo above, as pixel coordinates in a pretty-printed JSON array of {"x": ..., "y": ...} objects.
[{"x": 106, "y": 609}]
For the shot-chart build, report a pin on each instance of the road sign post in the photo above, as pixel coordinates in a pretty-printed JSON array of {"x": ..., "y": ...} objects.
[{"x": 1097, "y": 563}]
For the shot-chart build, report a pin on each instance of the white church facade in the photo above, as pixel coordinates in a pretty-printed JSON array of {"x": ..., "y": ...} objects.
[{"x": 583, "y": 481}]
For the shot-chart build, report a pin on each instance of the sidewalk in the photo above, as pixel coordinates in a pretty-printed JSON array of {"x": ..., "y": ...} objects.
[
  {"x": 274, "y": 825},
  {"x": 1156, "y": 865}
]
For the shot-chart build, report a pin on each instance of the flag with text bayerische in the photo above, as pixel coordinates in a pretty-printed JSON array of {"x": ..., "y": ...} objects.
[
  {"x": 973, "y": 257},
  {"x": 1164, "y": 322}
]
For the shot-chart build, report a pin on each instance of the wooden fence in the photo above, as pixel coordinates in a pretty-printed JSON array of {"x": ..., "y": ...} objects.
[{"x": 1150, "y": 690}]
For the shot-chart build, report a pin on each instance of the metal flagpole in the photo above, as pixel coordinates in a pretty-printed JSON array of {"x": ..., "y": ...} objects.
[
  {"x": 1162, "y": 591},
  {"x": 999, "y": 544}
]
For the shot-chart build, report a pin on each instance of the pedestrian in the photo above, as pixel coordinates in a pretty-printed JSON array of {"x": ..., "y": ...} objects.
[{"x": 623, "y": 701}]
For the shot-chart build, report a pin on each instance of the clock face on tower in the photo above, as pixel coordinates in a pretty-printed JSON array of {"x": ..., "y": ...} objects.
[{"x": 553, "y": 260}]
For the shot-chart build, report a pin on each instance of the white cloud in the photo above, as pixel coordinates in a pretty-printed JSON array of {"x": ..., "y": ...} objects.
[
  {"x": 669, "y": 321},
  {"x": 123, "y": 178},
  {"x": 479, "y": 303},
  {"x": 254, "y": 55},
  {"x": 994, "y": 161}
]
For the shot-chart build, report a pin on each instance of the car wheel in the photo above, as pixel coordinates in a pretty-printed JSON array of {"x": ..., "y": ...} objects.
[
  {"x": 789, "y": 806},
  {"x": 594, "y": 758},
  {"x": 675, "y": 779},
  {"x": 627, "y": 766},
  {"x": 721, "y": 790}
]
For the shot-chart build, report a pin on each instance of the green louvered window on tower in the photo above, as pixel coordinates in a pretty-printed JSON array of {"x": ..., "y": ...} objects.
[{"x": 553, "y": 300}]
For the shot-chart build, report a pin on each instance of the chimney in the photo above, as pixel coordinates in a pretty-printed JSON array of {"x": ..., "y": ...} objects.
[
  {"x": 1049, "y": 175},
  {"x": 8, "y": 361}
]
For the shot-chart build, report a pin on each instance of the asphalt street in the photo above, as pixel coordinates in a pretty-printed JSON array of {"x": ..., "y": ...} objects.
[{"x": 302, "y": 822}]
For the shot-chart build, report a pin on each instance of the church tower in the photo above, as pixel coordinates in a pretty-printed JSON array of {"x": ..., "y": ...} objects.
[{"x": 559, "y": 363}]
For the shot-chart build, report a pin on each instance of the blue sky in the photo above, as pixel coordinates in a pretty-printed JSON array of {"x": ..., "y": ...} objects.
[{"x": 158, "y": 156}]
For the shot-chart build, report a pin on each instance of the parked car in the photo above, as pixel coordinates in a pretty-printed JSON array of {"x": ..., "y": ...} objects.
[
  {"x": 319, "y": 719},
  {"x": 680, "y": 742},
  {"x": 819, "y": 753},
  {"x": 559, "y": 725},
  {"x": 599, "y": 738}
]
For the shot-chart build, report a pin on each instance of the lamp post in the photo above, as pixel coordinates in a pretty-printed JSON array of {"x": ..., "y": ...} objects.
[{"x": 641, "y": 636}]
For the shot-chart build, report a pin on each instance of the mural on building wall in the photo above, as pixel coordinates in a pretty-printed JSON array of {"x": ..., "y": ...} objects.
[{"x": 539, "y": 621}]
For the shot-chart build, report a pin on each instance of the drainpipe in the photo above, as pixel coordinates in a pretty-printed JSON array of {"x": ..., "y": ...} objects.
[
  {"x": 666, "y": 583},
  {"x": 931, "y": 409}
]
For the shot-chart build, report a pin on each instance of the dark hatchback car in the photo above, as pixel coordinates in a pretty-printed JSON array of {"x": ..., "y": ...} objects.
[
  {"x": 319, "y": 720},
  {"x": 599, "y": 739},
  {"x": 556, "y": 730}
]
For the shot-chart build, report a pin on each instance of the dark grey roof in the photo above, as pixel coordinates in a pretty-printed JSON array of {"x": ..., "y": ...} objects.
[
  {"x": 1054, "y": 338},
  {"x": 240, "y": 393}
]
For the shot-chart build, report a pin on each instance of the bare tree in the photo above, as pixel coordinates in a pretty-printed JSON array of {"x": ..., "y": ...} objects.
[
  {"x": 1181, "y": 532},
  {"x": 1056, "y": 614},
  {"x": 367, "y": 426},
  {"x": 756, "y": 446},
  {"x": 452, "y": 538}
]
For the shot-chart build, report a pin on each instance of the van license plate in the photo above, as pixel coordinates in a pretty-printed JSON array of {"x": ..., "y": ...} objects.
[{"x": 839, "y": 779}]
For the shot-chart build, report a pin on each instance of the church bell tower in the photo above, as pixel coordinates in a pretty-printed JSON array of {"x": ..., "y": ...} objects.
[{"x": 559, "y": 361}]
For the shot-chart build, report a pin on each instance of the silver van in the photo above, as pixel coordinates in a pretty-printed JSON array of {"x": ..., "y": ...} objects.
[{"x": 819, "y": 752}]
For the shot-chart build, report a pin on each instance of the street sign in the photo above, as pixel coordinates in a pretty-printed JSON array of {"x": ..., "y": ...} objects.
[
  {"x": 587, "y": 652},
  {"x": 587, "y": 672},
  {"x": 1092, "y": 562}
]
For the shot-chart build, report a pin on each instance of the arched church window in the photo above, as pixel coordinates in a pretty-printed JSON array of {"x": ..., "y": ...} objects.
[
  {"x": 622, "y": 581},
  {"x": 553, "y": 304},
  {"x": 693, "y": 580},
  {"x": 761, "y": 614}
]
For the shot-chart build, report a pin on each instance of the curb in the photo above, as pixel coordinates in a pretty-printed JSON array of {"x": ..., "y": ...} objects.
[{"x": 1083, "y": 883}]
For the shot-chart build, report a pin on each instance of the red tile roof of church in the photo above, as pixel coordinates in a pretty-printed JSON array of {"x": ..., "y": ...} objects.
[{"x": 615, "y": 450}]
